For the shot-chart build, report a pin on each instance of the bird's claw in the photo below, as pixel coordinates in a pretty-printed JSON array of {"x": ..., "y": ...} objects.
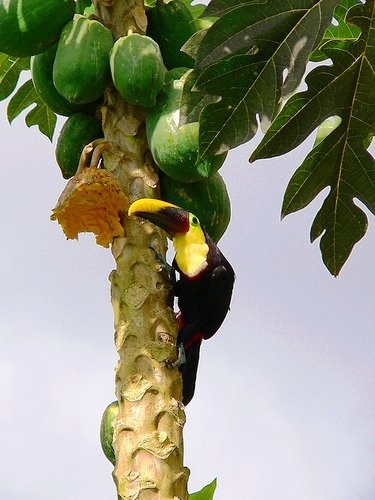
[
  {"x": 181, "y": 359},
  {"x": 167, "y": 268}
]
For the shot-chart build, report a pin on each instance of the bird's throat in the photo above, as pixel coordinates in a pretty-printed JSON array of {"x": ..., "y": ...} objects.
[{"x": 191, "y": 252}]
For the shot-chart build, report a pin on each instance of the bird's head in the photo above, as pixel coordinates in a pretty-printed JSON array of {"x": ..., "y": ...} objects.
[{"x": 182, "y": 227}]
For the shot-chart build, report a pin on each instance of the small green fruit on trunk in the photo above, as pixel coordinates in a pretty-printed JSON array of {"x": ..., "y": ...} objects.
[{"x": 106, "y": 431}]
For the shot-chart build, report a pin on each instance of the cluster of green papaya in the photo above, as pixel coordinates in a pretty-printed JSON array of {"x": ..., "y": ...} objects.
[{"x": 74, "y": 58}]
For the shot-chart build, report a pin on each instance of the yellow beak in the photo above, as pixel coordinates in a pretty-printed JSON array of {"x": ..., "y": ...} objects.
[{"x": 174, "y": 220}]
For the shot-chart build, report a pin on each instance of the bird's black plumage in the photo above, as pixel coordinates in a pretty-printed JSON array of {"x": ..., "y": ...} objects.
[
  {"x": 204, "y": 289},
  {"x": 203, "y": 301}
]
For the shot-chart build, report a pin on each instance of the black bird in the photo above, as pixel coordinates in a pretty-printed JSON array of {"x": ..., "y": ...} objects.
[{"x": 204, "y": 289}]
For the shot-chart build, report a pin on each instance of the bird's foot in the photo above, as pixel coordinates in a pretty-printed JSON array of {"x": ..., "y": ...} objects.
[
  {"x": 165, "y": 267},
  {"x": 181, "y": 359}
]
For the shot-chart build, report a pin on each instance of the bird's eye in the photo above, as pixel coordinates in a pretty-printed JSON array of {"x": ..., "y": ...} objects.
[{"x": 194, "y": 221}]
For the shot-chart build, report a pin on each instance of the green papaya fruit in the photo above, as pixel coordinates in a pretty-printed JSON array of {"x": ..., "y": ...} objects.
[
  {"x": 81, "y": 69},
  {"x": 106, "y": 431},
  {"x": 41, "y": 72},
  {"x": 171, "y": 25},
  {"x": 30, "y": 27},
  {"x": 174, "y": 148},
  {"x": 137, "y": 69},
  {"x": 208, "y": 200},
  {"x": 78, "y": 130}
]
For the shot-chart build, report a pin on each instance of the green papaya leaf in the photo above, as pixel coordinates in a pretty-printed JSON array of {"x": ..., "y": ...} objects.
[
  {"x": 338, "y": 30},
  {"x": 206, "y": 493},
  {"x": 253, "y": 56},
  {"x": 43, "y": 117},
  {"x": 341, "y": 160},
  {"x": 292, "y": 29},
  {"x": 191, "y": 47},
  {"x": 326, "y": 128},
  {"x": 10, "y": 69},
  {"x": 39, "y": 115},
  {"x": 21, "y": 100},
  {"x": 192, "y": 103},
  {"x": 218, "y": 8}
]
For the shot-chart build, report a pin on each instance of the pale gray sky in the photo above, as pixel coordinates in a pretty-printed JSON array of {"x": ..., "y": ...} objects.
[{"x": 285, "y": 401}]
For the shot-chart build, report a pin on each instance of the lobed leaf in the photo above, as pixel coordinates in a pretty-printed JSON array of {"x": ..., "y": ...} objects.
[
  {"x": 192, "y": 103},
  {"x": 21, "y": 100},
  {"x": 340, "y": 29},
  {"x": 10, "y": 69},
  {"x": 341, "y": 161},
  {"x": 253, "y": 56},
  {"x": 271, "y": 28},
  {"x": 218, "y": 8},
  {"x": 43, "y": 117},
  {"x": 39, "y": 115}
]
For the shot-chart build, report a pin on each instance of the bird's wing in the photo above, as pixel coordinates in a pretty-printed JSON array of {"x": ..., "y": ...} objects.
[{"x": 219, "y": 295}]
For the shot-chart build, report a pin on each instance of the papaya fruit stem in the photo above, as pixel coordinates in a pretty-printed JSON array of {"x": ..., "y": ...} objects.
[
  {"x": 97, "y": 154},
  {"x": 92, "y": 153}
]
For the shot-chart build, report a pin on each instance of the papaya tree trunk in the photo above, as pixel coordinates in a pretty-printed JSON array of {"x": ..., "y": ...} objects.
[{"x": 148, "y": 430}]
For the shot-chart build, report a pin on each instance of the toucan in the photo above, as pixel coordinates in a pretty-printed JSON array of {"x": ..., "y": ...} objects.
[{"x": 204, "y": 289}]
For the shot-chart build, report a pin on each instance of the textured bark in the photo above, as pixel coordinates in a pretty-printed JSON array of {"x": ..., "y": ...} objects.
[{"x": 148, "y": 431}]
